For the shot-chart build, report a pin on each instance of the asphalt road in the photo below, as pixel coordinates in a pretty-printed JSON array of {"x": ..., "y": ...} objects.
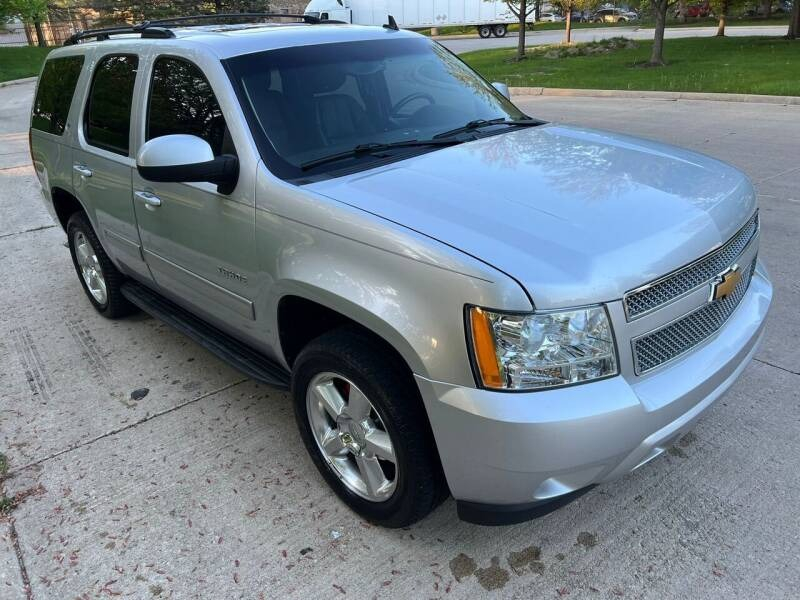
[
  {"x": 202, "y": 487},
  {"x": 540, "y": 38}
]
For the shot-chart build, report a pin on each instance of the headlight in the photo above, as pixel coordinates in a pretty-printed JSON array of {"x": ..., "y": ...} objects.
[{"x": 541, "y": 350}]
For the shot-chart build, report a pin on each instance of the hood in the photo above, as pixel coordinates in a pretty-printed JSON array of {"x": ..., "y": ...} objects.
[{"x": 577, "y": 216}]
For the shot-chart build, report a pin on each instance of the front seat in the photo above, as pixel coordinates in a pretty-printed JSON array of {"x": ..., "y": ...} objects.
[{"x": 340, "y": 117}]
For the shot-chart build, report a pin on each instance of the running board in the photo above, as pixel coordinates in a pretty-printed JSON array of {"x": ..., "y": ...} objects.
[{"x": 244, "y": 358}]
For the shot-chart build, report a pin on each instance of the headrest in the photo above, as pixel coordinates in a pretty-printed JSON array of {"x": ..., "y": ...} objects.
[{"x": 327, "y": 80}]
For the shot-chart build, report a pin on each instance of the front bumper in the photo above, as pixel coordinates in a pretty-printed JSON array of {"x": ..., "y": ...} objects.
[{"x": 515, "y": 453}]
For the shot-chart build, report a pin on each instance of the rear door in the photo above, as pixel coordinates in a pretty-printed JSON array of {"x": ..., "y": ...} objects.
[
  {"x": 198, "y": 242},
  {"x": 102, "y": 161}
]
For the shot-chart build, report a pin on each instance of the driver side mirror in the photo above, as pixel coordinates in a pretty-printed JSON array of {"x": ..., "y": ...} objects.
[
  {"x": 182, "y": 158},
  {"x": 503, "y": 89}
]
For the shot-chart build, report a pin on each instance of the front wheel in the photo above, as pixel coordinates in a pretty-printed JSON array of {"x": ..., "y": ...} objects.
[
  {"x": 362, "y": 421},
  {"x": 499, "y": 31},
  {"x": 484, "y": 31}
]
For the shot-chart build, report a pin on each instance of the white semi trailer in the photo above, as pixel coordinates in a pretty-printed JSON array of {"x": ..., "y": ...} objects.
[{"x": 489, "y": 17}]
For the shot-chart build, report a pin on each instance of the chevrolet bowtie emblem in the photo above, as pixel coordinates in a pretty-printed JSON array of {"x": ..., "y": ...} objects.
[{"x": 724, "y": 283}]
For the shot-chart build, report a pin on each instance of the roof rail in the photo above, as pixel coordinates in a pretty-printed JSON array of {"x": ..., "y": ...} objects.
[
  {"x": 157, "y": 29},
  {"x": 103, "y": 34},
  {"x": 310, "y": 19}
]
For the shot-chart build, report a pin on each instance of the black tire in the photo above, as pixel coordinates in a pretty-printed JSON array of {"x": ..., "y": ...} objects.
[
  {"x": 499, "y": 31},
  {"x": 394, "y": 395},
  {"x": 115, "y": 305},
  {"x": 484, "y": 31}
]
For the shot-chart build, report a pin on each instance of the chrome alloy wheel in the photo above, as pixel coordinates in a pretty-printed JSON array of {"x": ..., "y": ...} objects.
[
  {"x": 90, "y": 268},
  {"x": 351, "y": 436}
]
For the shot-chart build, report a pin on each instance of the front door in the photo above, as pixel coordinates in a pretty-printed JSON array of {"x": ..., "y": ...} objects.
[{"x": 199, "y": 243}]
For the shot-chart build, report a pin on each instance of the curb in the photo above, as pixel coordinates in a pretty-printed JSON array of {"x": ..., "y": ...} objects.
[
  {"x": 18, "y": 81},
  {"x": 715, "y": 97}
]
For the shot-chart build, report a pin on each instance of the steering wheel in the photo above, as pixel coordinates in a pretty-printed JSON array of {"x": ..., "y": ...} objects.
[{"x": 408, "y": 99}]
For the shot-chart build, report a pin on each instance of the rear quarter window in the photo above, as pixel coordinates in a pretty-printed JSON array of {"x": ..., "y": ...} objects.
[{"x": 54, "y": 94}]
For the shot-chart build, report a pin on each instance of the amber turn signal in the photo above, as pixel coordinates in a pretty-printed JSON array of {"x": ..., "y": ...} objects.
[{"x": 483, "y": 346}]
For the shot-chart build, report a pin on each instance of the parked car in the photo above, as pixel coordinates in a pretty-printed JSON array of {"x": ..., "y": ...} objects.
[
  {"x": 757, "y": 9},
  {"x": 614, "y": 15},
  {"x": 461, "y": 299},
  {"x": 696, "y": 11},
  {"x": 580, "y": 16},
  {"x": 549, "y": 17}
]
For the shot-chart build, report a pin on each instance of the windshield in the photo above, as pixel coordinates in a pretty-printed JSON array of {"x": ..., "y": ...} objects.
[{"x": 311, "y": 102}]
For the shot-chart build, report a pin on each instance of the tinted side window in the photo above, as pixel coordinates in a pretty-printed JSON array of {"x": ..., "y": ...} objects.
[
  {"x": 54, "y": 95},
  {"x": 108, "y": 113},
  {"x": 182, "y": 101}
]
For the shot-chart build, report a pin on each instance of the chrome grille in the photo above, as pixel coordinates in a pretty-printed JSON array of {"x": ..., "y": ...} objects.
[
  {"x": 662, "y": 291},
  {"x": 665, "y": 344}
]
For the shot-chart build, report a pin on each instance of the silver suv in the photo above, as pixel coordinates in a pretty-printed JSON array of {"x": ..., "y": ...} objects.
[{"x": 461, "y": 299}]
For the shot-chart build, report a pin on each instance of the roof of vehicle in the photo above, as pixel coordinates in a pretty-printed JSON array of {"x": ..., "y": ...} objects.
[{"x": 233, "y": 40}]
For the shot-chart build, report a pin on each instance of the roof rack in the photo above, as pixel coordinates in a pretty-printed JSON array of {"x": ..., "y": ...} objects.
[
  {"x": 156, "y": 29},
  {"x": 310, "y": 19},
  {"x": 104, "y": 34}
]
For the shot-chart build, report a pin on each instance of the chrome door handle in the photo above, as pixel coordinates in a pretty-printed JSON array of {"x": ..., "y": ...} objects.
[
  {"x": 149, "y": 198},
  {"x": 84, "y": 171}
]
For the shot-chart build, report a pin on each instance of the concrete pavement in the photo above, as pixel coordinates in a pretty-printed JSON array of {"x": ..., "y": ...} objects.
[
  {"x": 592, "y": 34},
  {"x": 202, "y": 488}
]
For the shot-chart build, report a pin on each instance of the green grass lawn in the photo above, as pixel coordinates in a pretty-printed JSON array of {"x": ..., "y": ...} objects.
[
  {"x": 643, "y": 24},
  {"x": 751, "y": 65},
  {"x": 21, "y": 61}
]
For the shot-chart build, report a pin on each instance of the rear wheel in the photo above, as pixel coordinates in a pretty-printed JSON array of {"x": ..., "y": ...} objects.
[
  {"x": 484, "y": 31},
  {"x": 362, "y": 421},
  {"x": 99, "y": 277},
  {"x": 499, "y": 31}
]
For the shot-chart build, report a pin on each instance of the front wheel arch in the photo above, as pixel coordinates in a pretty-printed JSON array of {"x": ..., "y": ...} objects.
[{"x": 314, "y": 308}]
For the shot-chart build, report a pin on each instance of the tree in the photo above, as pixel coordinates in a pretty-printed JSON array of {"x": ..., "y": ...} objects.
[
  {"x": 681, "y": 12},
  {"x": 794, "y": 22},
  {"x": 567, "y": 6},
  {"x": 522, "y": 9},
  {"x": 29, "y": 11},
  {"x": 136, "y": 11},
  {"x": 722, "y": 8},
  {"x": 657, "y": 54}
]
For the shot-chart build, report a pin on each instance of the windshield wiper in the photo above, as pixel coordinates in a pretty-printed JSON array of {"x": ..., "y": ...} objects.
[
  {"x": 478, "y": 123},
  {"x": 375, "y": 147}
]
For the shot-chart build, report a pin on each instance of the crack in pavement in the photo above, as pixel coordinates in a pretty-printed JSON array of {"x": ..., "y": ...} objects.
[
  {"x": 125, "y": 428},
  {"x": 23, "y": 570},
  {"x": 12, "y": 522},
  {"x": 782, "y": 173},
  {"x": 40, "y": 228},
  {"x": 15, "y": 167},
  {"x": 769, "y": 364},
  {"x": 12, "y": 532}
]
